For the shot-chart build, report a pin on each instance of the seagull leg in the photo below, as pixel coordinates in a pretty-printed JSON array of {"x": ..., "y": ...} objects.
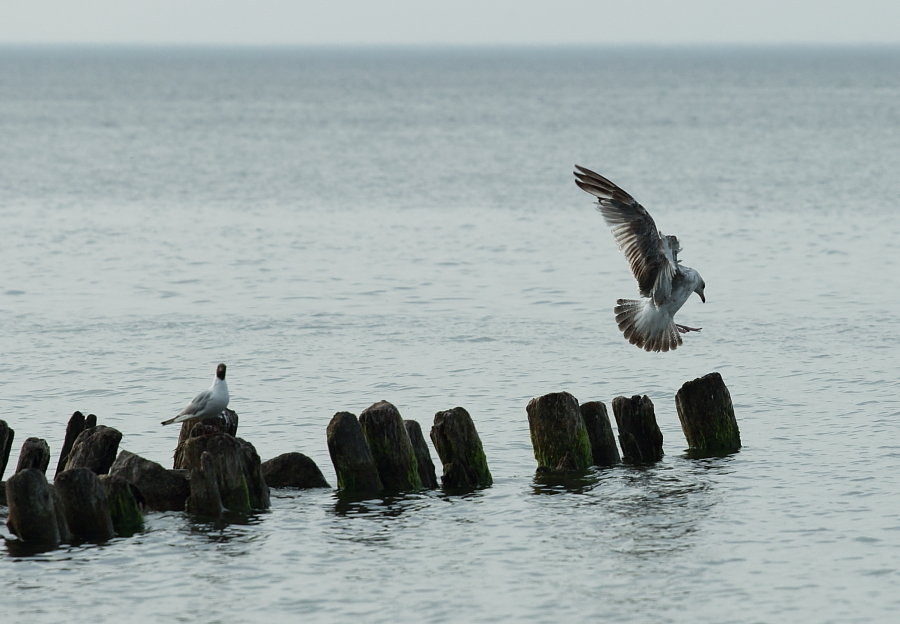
[{"x": 685, "y": 329}]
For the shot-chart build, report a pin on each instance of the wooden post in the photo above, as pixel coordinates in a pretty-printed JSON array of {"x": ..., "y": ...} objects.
[
  {"x": 205, "y": 498},
  {"x": 256, "y": 482},
  {"x": 639, "y": 435},
  {"x": 459, "y": 447},
  {"x": 35, "y": 454},
  {"x": 293, "y": 470},
  {"x": 423, "y": 455},
  {"x": 73, "y": 428},
  {"x": 229, "y": 467},
  {"x": 85, "y": 504},
  {"x": 350, "y": 454},
  {"x": 707, "y": 416},
  {"x": 558, "y": 434},
  {"x": 162, "y": 489},
  {"x": 226, "y": 421},
  {"x": 393, "y": 452},
  {"x": 240, "y": 480},
  {"x": 95, "y": 448},
  {"x": 6, "y": 440},
  {"x": 600, "y": 433},
  {"x": 124, "y": 505},
  {"x": 33, "y": 513}
]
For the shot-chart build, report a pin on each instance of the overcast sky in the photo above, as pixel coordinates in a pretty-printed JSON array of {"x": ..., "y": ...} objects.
[{"x": 261, "y": 22}]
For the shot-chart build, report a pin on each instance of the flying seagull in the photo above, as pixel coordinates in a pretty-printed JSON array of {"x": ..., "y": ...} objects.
[
  {"x": 208, "y": 403},
  {"x": 665, "y": 284}
]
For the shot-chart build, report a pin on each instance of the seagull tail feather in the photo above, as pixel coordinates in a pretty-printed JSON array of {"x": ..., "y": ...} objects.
[
  {"x": 177, "y": 419},
  {"x": 635, "y": 322}
]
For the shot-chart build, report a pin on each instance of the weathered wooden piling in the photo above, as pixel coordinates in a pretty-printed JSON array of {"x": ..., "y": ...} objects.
[
  {"x": 225, "y": 422},
  {"x": 228, "y": 468},
  {"x": 161, "y": 489},
  {"x": 393, "y": 452},
  {"x": 73, "y": 428},
  {"x": 205, "y": 498},
  {"x": 35, "y": 454},
  {"x": 125, "y": 502},
  {"x": 603, "y": 442},
  {"x": 558, "y": 434},
  {"x": 639, "y": 435},
  {"x": 95, "y": 448},
  {"x": 423, "y": 457},
  {"x": 6, "y": 441},
  {"x": 351, "y": 457},
  {"x": 707, "y": 416},
  {"x": 35, "y": 510},
  {"x": 90, "y": 421},
  {"x": 257, "y": 487},
  {"x": 237, "y": 467},
  {"x": 459, "y": 447},
  {"x": 293, "y": 470},
  {"x": 85, "y": 504}
]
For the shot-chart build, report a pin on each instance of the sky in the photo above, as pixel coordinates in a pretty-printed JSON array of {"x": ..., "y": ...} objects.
[{"x": 466, "y": 22}]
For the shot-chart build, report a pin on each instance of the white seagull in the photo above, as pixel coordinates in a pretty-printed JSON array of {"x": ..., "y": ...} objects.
[
  {"x": 665, "y": 284},
  {"x": 208, "y": 403}
]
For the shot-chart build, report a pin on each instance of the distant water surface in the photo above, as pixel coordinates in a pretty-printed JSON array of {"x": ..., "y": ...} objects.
[{"x": 343, "y": 226}]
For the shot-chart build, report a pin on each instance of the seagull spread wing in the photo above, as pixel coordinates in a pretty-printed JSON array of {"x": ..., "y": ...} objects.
[{"x": 652, "y": 257}]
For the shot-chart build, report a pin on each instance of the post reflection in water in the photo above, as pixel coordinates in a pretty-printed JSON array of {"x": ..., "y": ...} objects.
[
  {"x": 242, "y": 531},
  {"x": 659, "y": 508},
  {"x": 643, "y": 510},
  {"x": 564, "y": 483},
  {"x": 390, "y": 506}
]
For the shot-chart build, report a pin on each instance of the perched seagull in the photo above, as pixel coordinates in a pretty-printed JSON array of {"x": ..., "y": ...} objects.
[
  {"x": 208, "y": 403},
  {"x": 665, "y": 283}
]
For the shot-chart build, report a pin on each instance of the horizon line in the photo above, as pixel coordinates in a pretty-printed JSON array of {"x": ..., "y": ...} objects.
[{"x": 468, "y": 44}]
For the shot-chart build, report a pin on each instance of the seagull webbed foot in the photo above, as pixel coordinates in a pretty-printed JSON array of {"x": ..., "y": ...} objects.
[{"x": 685, "y": 329}]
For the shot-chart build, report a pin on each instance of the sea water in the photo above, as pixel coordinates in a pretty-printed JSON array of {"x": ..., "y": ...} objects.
[{"x": 346, "y": 225}]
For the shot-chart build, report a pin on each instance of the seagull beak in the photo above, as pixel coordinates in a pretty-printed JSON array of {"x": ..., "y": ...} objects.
[{"x": 702, "y": 298}]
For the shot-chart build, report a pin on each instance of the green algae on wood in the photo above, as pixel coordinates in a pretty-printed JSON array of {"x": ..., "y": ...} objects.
[
  {"x": 707, "y": 416},
  {"x": 558, "y": 434},
  {"x": 459, "y": 448},
  {"x": 236, "y": 465},
  {"x": 603, "y": 440},
  {"x": 124, "y": 508},
  {"x": 206, "y": 498},
  {"x": 257, "y": 488},
  {"x": 391, "y": 447},
  {"x": 85, "y": 504},
  {"x": 351, "y": 456},
  {"x": 423, "y": 457}
]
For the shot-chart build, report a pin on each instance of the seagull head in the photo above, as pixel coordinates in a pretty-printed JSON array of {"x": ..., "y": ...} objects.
[
  {"x": 699, "y": 290},
  {"x": 220, "y": 370}
]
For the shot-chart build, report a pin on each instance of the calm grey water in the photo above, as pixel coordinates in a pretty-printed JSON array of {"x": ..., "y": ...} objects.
[{"x": 346, "y": 226}]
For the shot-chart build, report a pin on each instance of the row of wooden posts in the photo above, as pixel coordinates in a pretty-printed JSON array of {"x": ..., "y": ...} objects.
[{"x": 100, "y": 492}]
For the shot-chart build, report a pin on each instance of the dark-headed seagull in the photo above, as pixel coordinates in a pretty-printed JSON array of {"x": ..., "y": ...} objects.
[
  {"x": 664, "y": 283},
  {"x": 208, "y": 403}
]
